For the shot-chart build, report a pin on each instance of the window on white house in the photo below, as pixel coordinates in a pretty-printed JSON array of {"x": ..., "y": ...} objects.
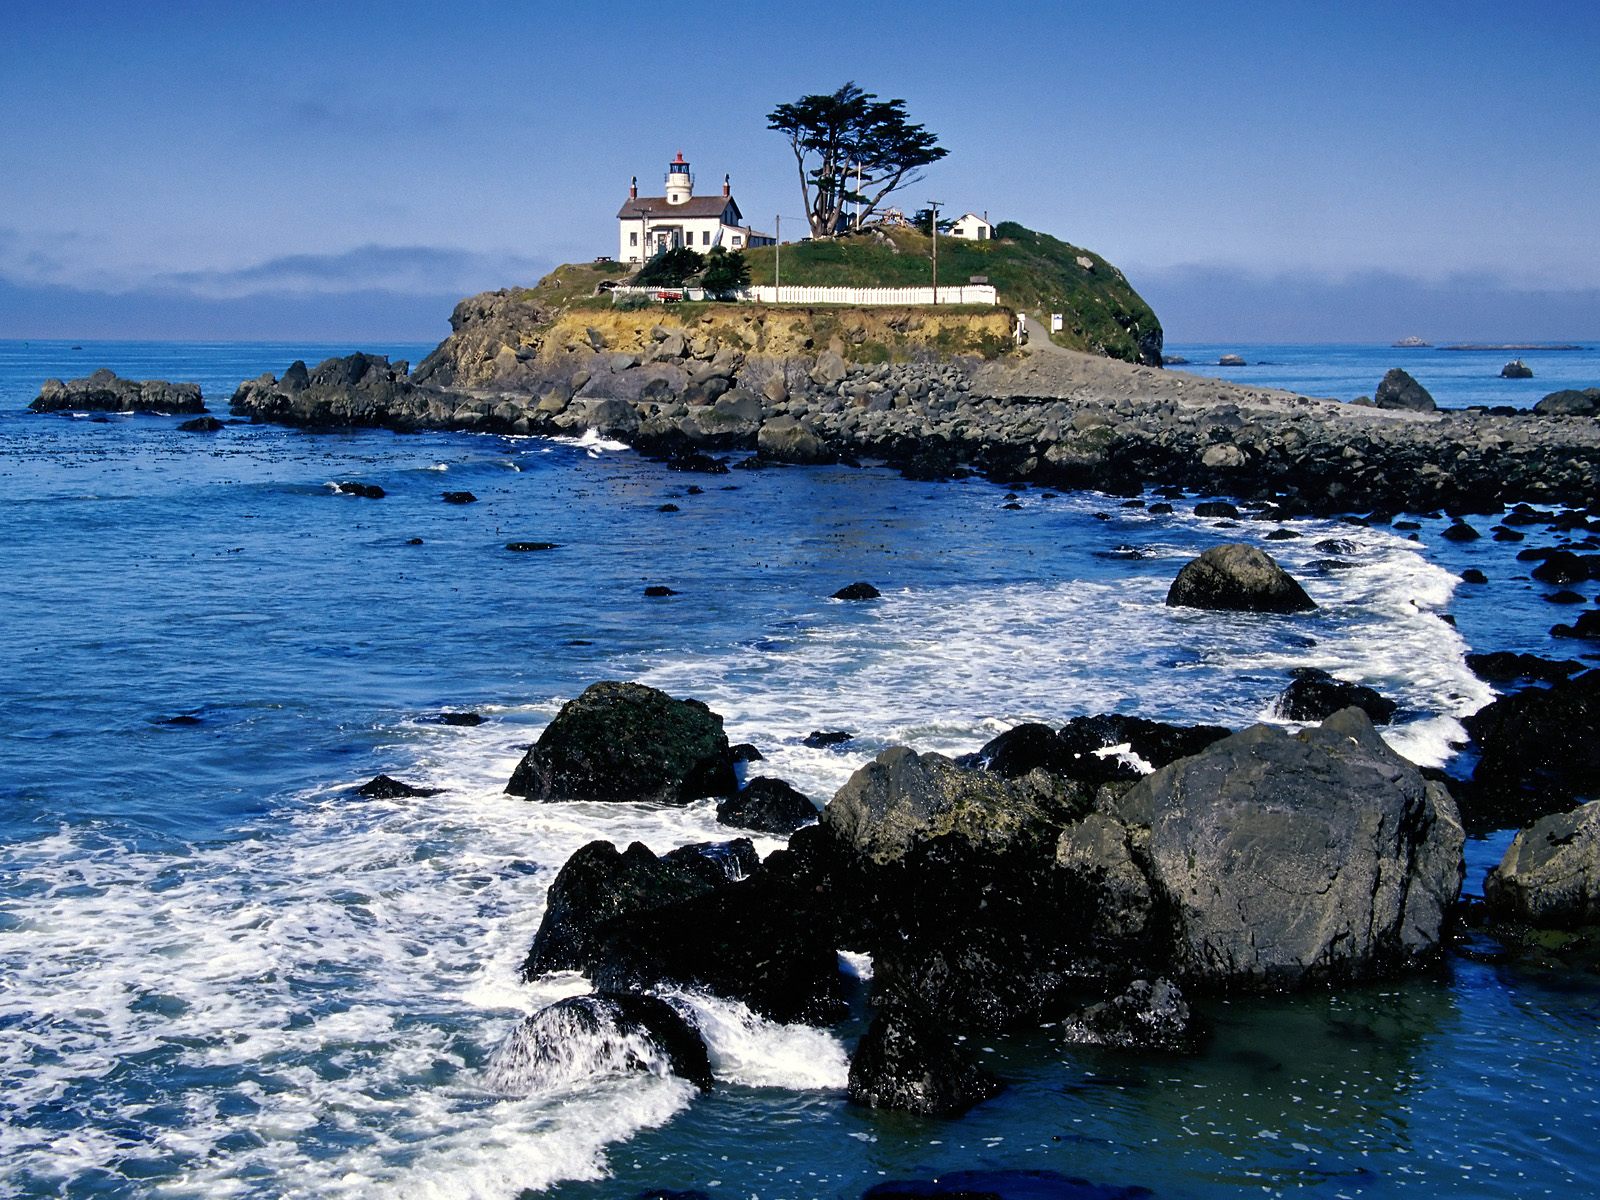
[
  {"x": 705, "y": 237},
  {"x": 633, "y": 238},
  {"x": 738, "y": 240}
]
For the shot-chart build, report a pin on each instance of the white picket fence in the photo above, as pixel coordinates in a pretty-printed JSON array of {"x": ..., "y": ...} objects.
[{"x": 969, "y": 293}]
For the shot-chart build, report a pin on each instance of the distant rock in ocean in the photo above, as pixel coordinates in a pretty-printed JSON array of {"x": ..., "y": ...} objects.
[
  {"x": 1411, "y": 343},
  {"x": 106, "y": 391},
  {"x": 1516, "y": 369}
]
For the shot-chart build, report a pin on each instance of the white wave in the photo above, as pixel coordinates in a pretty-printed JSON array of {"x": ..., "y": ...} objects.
[
  {"x": 594, "y": 442},
  {"x": 750, "y": 1050}
]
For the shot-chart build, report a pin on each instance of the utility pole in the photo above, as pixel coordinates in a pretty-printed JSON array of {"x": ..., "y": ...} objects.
[
  {"x": 934, "y": 225},
  {"x": 777, "y": 255}
]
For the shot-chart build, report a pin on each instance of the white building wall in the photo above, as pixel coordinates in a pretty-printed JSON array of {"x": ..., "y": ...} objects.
[{"x": 972, "y": 227}]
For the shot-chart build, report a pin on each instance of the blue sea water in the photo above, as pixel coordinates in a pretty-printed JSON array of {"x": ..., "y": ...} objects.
[
  {"x": 1455, "y": 378},
  {"x": 223, "y": 974}
]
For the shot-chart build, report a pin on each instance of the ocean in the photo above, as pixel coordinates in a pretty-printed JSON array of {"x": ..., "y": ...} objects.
[{"x": 223, "y": 974}]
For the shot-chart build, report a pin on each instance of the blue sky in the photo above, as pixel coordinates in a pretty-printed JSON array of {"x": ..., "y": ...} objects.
[{"x": 347, "y": 170}]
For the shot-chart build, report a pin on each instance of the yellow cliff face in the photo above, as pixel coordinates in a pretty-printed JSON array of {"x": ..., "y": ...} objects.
[{"x": 857, "y": 334}]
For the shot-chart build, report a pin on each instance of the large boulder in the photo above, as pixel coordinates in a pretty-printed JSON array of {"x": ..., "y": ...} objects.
[
  {"x": 1569, "y": 402},
  {"x": 599, "y": 885},
  {"x": 787, "y": 439},
  {"x": 1146, "y": 1015},
  {"x": 1550, "y": 875},
  {"x": 106, "y": 391},
  {"x": 905, "y": 1064},
  {"x": 1398, "y": 390},
  {"x": 1292, "y": 859},
  {"x": 625, "y": 741},
  {"x": 1538, "y": 751},
  {"x": 583, "y": 1037},
  {"x": 1239, "y": 577}
]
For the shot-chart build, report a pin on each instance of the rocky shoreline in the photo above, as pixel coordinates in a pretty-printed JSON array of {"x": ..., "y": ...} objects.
[{"x": 1055, "y": 419}]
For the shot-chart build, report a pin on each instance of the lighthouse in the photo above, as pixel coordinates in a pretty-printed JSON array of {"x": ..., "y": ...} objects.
[
  {"x": 649, "y": 225},
  {"x": 680, "y": 183}
]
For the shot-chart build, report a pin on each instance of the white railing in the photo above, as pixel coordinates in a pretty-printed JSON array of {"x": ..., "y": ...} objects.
[{"x": 969, "y": 293}]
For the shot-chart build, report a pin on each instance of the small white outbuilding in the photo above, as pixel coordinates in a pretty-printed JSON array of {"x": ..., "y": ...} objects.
[{"x": 971, "y": 226}]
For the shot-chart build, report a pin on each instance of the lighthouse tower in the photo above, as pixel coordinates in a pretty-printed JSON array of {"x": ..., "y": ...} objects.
[{"x": 680, "y": 184}]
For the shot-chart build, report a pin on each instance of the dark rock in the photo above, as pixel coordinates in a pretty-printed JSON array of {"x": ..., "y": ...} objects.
[
  {"x": 382, "y": 787},
  {"x": 1538, "y": 751},
  {"x": 1315, "y": 695},
  {"x": 1160, "y": 508},
  {"x": 1076, "y": 750},
  {"x": 1473, "y": 575},
  {"x": 459, "y": 498},
  {"x": 1282, "y": 535},
  {"x": 200, "y": 425},
  {"x": 1586, "y": 627},
  {"x": 464, "y": 720},
  {"x": 105, "y": 391},
  {"x": 819, "y": 739},
  {"x": 1399, "y": 391},
  {"x": 531, "y": 547},
  {"x": 745, "y": 752},
  {"x": 857, "y": 591},
  {"x": 368, "y": 491},
  {"x": 907, "y": 1065},
  {"x": 767, "y": 806},
  {"x": 748, "y": 941},
  {"x": 660, "y": 589},
  {"x": 668, "y": 508},
  {"x": 1237, "y": 577},
  {"x": 416, "y": 541},
  {"x": 698, "y": 463},
  {"x": 1145, "y": 1016},
  {"x": 581, "y": 1037},
  {"x": 1336, "y": 546},
  {"x": 1564, "y": 596},
  {"x": 1565, "y": 566},
  {"x": 1461, "y": 532},
  {"x": 624, "y": 741},
  {"x": 1550, "y": 875},
  {"x": 1231, "y": 360},
  {"x": 1293, "y": 859},
  {"x": 1002, "y": 1185},
  {"x": 1503, "y": 666},
  {"x": 1216, "y": 508},
  {"x": 1516, "y": 369},
  {"x": 785, "y": 439},
  {"x": 1570, "y": 402},
  {"x": 598, "y": 887}
]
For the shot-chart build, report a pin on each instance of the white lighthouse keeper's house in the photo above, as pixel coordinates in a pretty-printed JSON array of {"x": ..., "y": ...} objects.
[{"x": 648, "y": 225}]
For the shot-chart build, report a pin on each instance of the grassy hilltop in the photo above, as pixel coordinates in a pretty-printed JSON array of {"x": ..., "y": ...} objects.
[
  {"x": 494, "y": 332},
  {"x": 1033, "y": 272}
]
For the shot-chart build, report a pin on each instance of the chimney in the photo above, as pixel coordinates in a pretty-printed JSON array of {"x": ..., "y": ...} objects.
[
  {"x": 633, "y": 188},
  {"x": 726, "y": 187}
]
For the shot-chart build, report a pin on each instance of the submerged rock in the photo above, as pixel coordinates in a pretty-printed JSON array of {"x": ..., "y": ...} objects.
[
  {"x": 1292, "y": 859},
  {"x": 1145, "y": 1016},
  {"x": 1550, "y": 875},
  {"x": 907, "y": 1065},
  {"x": 606, "y": 1033},
  {"x": 625, "y": 741},
  {"x": 200, "y": 425},
  {"x": 383, "y": 787},
  {"x": 857, "y": 591},
  {"x": 1238, "y": 577},
  {"x": 367, "y": 491}
]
